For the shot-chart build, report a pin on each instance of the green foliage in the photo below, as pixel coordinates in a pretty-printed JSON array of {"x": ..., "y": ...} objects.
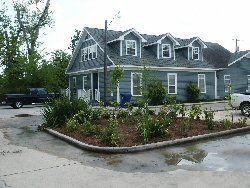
[
  {"x": 185, "y": 126},
  {"x": 209, "y": 117},
  {"x": 193, "y": 92},
  {"x": 242, "y": 121},
  {"x": 117, "y": 74},
  {"x": 195, "y": 112},
  {"x": 122, "y": 114},
  {"x": 110, "y": 134},
  {"x": 74, "y": 40},
  {"x": 57, "y": 112},
  {"x": 91, "y": 129},
  {"x": 150, "y": 127},
  {"x": 155, "y": 93},
  {"x": 72, "y": 125},
  {"x": 183, "y": 110},
  {"x": 225, "y": 123}
]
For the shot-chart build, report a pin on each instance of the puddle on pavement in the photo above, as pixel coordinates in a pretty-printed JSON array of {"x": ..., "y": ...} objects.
[
  {"x": 23, "y": 115},
  {"x": 191, "y": 154},
  {"x": 26, "y": 131}
]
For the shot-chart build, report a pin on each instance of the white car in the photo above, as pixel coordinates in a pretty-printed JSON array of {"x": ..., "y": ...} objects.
[{"x": 241, "y": 101}]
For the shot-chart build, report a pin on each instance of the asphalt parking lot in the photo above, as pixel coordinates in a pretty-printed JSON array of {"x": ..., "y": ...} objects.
[{"x": 30, "y": 158}]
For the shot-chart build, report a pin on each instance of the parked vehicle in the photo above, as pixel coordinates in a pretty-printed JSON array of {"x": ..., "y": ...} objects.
[
  {"x": 32, "y": 95},
  {"x": 241, "y": 101}
]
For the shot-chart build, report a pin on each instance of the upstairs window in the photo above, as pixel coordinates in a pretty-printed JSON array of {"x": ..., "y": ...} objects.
[
  {"x": 202, "y": 82},
  {"x": 196, "y": 53},
  {"x": 131, "y": 47},
  {"x": 136, "y": 84},
  {"x": 166, "y": 51},
  {"x": 92, "y": 52},
  {"x": 227, "y": 83},
  {"x": 84, "y": 54}
]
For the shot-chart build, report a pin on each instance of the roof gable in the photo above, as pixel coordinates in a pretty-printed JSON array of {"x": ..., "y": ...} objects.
[
  {"x": 157, "y": 39},
  {"x": 189, "y": 42},
  {"x": 123, "y": 34},
  {"x": 237, "y": 56}
]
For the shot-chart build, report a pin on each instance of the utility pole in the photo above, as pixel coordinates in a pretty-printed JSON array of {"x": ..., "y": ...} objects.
[
  {"x": 236, "y": 45},
  {"x": 105, "y": 64}
]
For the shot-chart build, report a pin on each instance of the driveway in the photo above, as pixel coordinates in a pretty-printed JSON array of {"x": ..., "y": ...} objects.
[{"x": 29, "y": 158}]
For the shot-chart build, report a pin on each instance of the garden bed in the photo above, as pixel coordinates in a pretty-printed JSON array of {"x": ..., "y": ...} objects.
[{"x": 129, "y": 135}]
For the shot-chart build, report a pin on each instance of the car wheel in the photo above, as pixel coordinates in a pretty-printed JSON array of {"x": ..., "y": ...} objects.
[
  {"x": 245, "y": 109},
  {"x": 17, "y": 104}
]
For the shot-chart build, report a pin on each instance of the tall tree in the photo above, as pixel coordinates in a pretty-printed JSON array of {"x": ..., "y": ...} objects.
[{"x": 74, "y": 40}]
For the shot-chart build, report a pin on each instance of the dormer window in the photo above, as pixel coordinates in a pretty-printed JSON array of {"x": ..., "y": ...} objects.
[
  {"x": 84, "y": 54},
  {"x": 196, "y": 53},
  {"x": 166, "y": 51},
  {"x": 131, "y": 47}
]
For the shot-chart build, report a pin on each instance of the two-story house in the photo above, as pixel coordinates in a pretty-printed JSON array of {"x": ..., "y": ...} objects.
[{"x": 177, "y": 61}]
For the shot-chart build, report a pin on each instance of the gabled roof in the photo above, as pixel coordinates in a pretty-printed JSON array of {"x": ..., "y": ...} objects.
[
  {"x": 238, "y": 56},
  {"x": 189, "y": 42},
  {"x": 157, "y": 39},
  {"x": 120, "y": 36},
  {"x": 217, "y": 55}
]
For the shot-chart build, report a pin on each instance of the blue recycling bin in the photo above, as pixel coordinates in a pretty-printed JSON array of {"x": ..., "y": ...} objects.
[{"x": 125, "y": 97}]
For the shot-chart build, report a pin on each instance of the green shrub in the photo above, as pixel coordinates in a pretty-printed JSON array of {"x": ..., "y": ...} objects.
[
  {"x": 242, "y": 121},
  {"x": 182, "y": 110},
  {"x": 150, "y": 127},
  {"x": 72, "y": 125},
  {"x": 110, "y": 134},
  {"x": 91, "y": 129},
  {"x": 155, "y": 93},
  {"x": 193, "y": 92},
  {"x": 209, "y": 117},
  {"x": 195, "y": 112},
  {"x": 57, "y": 112},
  {"x": 226, "y": 124},
  {"x": 122, "y": 114}
]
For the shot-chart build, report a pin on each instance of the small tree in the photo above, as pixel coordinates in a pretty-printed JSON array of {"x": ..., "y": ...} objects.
[{"x": 193, "y": 92}]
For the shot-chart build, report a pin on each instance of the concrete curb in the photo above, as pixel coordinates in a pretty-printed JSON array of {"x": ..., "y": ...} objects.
[{"x": 145, "y": 147}]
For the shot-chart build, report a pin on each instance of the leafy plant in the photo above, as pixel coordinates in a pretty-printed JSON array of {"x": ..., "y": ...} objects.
[
  {"x": 150, "y": 127},
  {"x": 110, "y": 134},
  {"x": 91, "y": 129},
  {"x": 57, "y": 112},
  {"x": 193, "y": 92},
  {"x": 122, "y": 114},
  {"x": 226, "y": 124},
  {"x": 185, "y": 126},
  {"x": 155, "y": 93},
  {"x": 117, "y": 74},
  {"x": 182, "y": 110},
  {"x": 72, "y": 125},
  {"x": 195, "y": 112},
  {"x": 242, "y": 121},
  {"x": 209, "y": 116}
]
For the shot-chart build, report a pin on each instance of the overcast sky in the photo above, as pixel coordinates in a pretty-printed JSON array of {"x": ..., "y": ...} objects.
[{"x": 218, "y": 21}]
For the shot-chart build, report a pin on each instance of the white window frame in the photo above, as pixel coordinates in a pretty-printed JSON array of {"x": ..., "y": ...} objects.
[
  {"x": 94, "y": 48},
  {"x": 248, "y": 83},
  {"x": 84, "y": 51},
  {"x": 135, "y": 48},
  {"x": 226, "y": 79},
  {"x": 169, "y": 49},
  {"x": 198, "y": 52},
  {"x": 83, "y": 82},
  {"x": 74, "y": 82},
  {"x": 202, "y": 78},
  {"x": 175, "y": 84},
  {"x": 132, "y": 83}
]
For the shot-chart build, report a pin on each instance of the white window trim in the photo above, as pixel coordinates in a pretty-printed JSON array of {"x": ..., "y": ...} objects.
[
  {"x": 193, "y": 49},
  {"x": 85, "y": 52},
  {"x": 169, "y": 48},
  {"x": 74, "y": 82},
  {"x": 226, "y": 88},
  {"x": 175, "y": 75},
  {"x": 202, "y": 77},
  {"x": 83, "y": 81},
  {"x": 94, "y": 48},
  {"x": 132, "y": 84},
  {"x": 127, "y": 48}
]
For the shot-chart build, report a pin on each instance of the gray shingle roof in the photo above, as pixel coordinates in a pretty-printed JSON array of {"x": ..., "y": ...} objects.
[
  {"x": 237, "y": 55},
  {"x": 215, "y": 56}
]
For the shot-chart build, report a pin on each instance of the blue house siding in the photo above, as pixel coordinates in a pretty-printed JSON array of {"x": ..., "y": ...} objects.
[
  {"x": 183, "y": 79},
  {"x": 238, "y": 73}
]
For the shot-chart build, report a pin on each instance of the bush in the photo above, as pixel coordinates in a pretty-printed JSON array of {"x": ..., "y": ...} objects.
[
  {"x": 150, "y": 127},
  {"x": 72, "y": 125},
  {"x": 110, "y": 134},
  {"x": 155, "y": 93},
  {"x": 195, "y": 112},
  {"x": 57, "y": 112},
  {"x": 193, "y": 92},
  {"x": 209, "y": 117}
]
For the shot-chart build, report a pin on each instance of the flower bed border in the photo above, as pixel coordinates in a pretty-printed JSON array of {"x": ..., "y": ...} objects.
[{"x": 145, "y": 147}]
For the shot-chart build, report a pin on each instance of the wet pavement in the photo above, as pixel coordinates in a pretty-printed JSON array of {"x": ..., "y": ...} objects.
[{"x": 229, "y": 153}]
